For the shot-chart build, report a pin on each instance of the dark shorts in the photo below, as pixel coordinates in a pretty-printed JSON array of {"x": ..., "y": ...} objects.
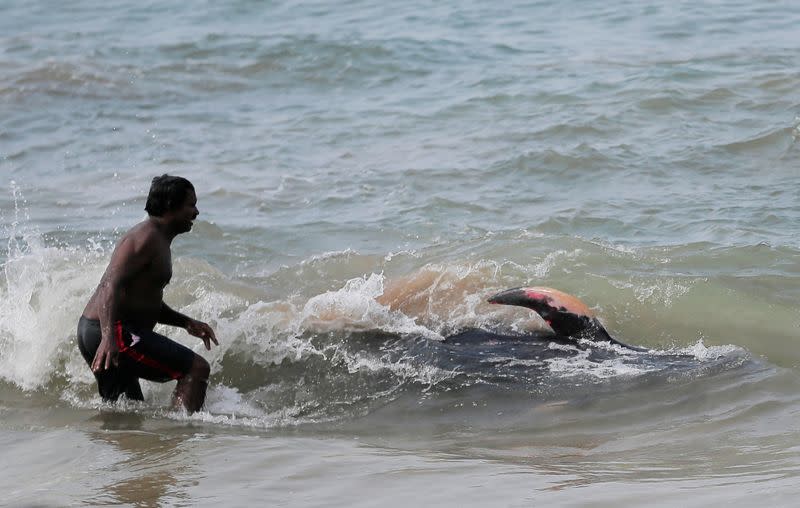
[{"x": 143, "y": 354}]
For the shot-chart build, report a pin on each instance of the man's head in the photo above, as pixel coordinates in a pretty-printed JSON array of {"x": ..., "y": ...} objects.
[
  {"x": 173, "y": 197},
  {"x": 167, "y": 193}
]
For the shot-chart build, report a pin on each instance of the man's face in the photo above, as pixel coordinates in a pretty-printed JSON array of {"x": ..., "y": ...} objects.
[{"x": 186, "y": 213}]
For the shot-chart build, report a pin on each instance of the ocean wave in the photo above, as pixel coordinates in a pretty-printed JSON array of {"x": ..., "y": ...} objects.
[
  {"x": 775, "y": 143},
  {"x": 583, "y": 160},
  {"x": 67, "y": 78},
  {"x": 305, "y": 59},
  {"x": 779, "y": 82},
  {"x": 225, "y": 65}
]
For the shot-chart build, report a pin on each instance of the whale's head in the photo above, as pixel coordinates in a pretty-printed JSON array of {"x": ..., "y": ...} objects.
[
  {"x": 547, "y": 302},
  {"x": 566, "y": 314}
]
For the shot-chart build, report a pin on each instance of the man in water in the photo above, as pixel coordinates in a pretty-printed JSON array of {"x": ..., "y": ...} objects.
[{"x": 115, "y": 332}]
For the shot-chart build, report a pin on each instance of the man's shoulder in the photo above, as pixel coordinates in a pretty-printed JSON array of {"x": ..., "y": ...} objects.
[{"x": 143, "y": 237}]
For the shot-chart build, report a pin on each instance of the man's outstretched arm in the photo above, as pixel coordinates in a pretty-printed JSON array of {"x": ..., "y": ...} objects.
[{"x": 171, "y": 317}]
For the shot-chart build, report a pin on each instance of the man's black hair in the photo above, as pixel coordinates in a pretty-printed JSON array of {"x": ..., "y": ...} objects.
[{"x": 167, "y": 193}]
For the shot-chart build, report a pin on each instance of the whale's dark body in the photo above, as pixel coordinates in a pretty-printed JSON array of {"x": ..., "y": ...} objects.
[
  {"x": 487, "y": 356},
  {"x": 578, "y": 353}
]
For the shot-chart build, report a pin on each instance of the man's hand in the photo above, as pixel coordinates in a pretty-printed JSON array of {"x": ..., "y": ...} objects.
[
  {"x": 106, "y": 355},
  {"x": 203, "y": 331}
]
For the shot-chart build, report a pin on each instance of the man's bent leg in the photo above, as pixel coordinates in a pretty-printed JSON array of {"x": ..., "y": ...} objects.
[
  {"x": 191, "y": 389},
  {"x": 155, "y": 357}
]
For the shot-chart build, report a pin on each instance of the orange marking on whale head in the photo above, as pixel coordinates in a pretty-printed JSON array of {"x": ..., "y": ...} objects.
[{"x": 559, "y": 299}]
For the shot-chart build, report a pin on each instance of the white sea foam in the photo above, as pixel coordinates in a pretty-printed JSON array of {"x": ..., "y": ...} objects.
[
  {"x": 325, "y": 256},
  {"x": 542, "y": 269},
  {"x": 404, "y": 368},
  {"x": 225, "y": 400},
  {"x": 663, "y": 291},
  {"x": 354, "y": 307},
  {"x": 580, "y": 365},
  {"x": 43, "y": 292},
  {"x": 702, "y": 352}
]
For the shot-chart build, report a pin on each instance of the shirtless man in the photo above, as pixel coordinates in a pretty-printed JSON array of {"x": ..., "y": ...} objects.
[{"x": 115, "y": 332}]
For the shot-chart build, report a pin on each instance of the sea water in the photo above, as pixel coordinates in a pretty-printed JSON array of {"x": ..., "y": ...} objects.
[{"x": 640, "y": 155}]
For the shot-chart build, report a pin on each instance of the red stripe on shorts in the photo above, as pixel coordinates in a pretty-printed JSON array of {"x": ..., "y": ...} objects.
[{"x": 139, "y": 357}]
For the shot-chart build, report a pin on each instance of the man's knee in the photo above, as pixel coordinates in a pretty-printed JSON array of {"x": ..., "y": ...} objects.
[{"x": 200, "y": 368}]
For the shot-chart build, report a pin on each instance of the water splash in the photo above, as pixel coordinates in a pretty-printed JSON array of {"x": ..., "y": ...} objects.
[{"x": 41, "y": 298}]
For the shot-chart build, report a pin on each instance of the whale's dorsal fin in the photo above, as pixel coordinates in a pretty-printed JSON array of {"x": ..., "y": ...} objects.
[{"x": 566, "y": 314}]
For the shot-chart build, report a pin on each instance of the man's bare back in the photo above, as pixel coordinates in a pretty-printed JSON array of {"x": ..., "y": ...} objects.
[
  {"x": 115, "y": 333},
  {"x": 142, "y": 296}
]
